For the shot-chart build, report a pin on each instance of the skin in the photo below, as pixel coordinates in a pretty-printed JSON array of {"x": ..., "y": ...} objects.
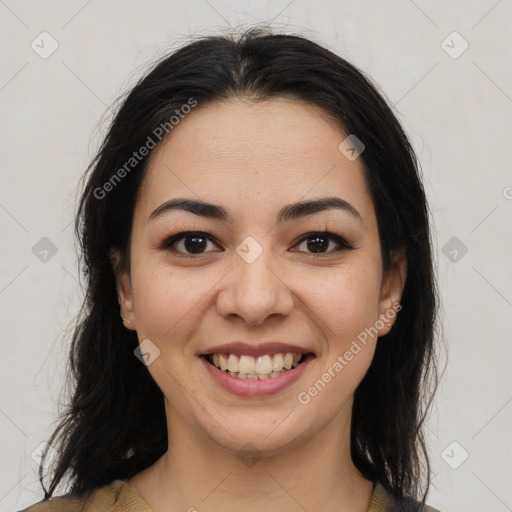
[{"x": 252, "y": 159}]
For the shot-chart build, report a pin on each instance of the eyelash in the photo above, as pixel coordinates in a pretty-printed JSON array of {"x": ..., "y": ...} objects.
[{"x": 172, "y": 240}]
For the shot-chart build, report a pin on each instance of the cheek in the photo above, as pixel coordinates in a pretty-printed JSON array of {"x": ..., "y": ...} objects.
[
  {"x": 158, "y": 299},
  {"x": 339, "y": 379},
  {"x": 345, "y": 300},
  {"x": 168, "y": 301}
]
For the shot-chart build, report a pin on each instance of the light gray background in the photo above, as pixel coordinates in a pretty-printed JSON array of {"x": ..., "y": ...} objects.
[{"x": 456, "y": 111}]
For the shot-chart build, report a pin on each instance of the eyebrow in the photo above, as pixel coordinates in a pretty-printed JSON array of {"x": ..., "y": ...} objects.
[{"x": 289, "y": 212}]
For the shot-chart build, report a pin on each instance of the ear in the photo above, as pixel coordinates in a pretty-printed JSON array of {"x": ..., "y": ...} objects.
[
  {"x": 124, "y": 290},
  {"x": 391, "y": 291}
]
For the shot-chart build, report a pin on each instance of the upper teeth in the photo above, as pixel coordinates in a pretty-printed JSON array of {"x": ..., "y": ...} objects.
[{"x": 262, "y": 365}]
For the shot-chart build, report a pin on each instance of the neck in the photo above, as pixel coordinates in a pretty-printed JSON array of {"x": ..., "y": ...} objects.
[{"x": 197, "y": 474}]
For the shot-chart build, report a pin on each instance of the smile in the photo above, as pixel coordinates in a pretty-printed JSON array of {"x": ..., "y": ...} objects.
[
  {"x": 250, "y": 376},
  {"x": 262, "y": 367}
]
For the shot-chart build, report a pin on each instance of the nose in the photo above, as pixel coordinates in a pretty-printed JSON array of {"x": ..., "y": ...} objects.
[{"x": 254, "y": 291}]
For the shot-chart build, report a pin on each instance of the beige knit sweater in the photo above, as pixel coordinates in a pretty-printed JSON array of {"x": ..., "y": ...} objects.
[{"x": 120, "y": 496}]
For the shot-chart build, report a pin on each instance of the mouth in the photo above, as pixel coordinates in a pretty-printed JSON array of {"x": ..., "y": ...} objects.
[
  {"x": 256, "y": 376},
  {"x": 263, "y": 367}
]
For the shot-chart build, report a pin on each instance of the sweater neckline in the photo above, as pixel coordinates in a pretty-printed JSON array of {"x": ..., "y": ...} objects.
[{"x": 133, "y": 498}]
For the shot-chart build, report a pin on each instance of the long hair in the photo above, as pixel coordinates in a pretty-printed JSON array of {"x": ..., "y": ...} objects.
[{"x": 115, "y": 425}]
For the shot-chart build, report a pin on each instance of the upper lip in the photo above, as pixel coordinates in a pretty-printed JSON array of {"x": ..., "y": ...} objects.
[{"x": 240, "y": 348}]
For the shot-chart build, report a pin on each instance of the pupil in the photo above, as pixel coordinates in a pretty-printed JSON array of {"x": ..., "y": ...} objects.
[
  {"x": 314, "y": 248},
  {"x": 196, "y": 245}
]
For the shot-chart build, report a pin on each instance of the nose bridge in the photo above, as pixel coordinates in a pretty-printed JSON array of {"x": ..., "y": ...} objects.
[
  {"x": 254, "y": 289},
  {"x": 254, "y": 264}
]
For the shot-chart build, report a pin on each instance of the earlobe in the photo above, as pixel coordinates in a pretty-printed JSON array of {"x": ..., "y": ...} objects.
[
  {"x": 391, "y": 292},
  {"x": 124, "y": 290}
]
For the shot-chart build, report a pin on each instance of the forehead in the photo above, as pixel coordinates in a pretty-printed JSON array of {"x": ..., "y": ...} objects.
[{"x": 254, "y": 155}]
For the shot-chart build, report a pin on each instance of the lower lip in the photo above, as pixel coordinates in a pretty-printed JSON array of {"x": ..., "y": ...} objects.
[{"x": 256, "y": 388}]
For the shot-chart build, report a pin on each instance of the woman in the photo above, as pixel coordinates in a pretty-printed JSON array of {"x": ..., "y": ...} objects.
[{"x": 259, "y": 322}]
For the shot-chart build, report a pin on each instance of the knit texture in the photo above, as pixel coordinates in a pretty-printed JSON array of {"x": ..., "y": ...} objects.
[{"x": 120, "y": 496}]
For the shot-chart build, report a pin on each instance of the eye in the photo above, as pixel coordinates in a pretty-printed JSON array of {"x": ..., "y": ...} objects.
[
  {"x": 187, "y": 243},
  {"x": 318, "y": 242}
]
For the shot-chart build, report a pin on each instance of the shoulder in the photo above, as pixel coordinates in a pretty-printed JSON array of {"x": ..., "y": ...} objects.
[
  {"x": 59, "y": 504},
  {"x": 383, "y": 501},
  {"x": 117, "y": 496}
]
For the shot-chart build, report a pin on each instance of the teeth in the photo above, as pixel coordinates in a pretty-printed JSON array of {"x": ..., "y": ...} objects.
[
  {"x": 223, "y": 362},
  {"x": 233, "y": 363},
  {"x": 247, "y": 365},
  {"x": 263, "y": 367},
  {"x": 277, "y": 362}
]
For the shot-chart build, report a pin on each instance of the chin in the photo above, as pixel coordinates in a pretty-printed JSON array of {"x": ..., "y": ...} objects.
[{"x": 268, "y": 434}]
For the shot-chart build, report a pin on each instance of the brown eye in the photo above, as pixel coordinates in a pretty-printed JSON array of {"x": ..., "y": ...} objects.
[
  {"x": 188, "y": 243},
  {"x": 318, "y": 243}
]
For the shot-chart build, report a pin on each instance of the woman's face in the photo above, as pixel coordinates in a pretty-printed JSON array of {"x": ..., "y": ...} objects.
[{"x": 256, "y": 276}]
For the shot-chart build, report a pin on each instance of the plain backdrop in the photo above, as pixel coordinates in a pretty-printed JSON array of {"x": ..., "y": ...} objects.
[{"x": 444, "y": 65}]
